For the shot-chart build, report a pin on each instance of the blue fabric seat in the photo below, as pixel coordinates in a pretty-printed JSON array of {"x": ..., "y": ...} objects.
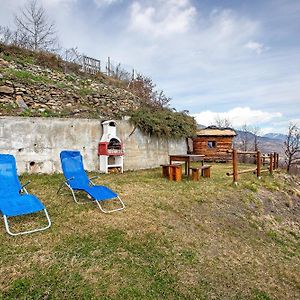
[
  {"x": 20, "y": 205},
  {"x": 99, "y": 193},
  {"x": 77, "y": 180},
  {"x": 12, "y": 202}
]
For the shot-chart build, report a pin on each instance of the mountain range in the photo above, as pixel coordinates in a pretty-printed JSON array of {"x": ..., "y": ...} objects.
[
  {"x": 271, "y": 142},
  {"x": 276, "y": 136}
]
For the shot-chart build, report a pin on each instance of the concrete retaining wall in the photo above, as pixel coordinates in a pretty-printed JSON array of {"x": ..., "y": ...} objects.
[{"x": 37, "y": 142}]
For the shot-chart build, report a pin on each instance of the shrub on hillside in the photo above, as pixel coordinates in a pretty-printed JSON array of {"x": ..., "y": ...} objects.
[{"x": 164, "y": 122}]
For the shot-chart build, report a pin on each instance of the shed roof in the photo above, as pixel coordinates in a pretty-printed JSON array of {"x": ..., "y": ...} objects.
[{"x": 216, "y": 131}]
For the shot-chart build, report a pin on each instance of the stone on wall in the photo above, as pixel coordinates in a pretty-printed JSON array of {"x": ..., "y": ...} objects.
[{"x": 4, "y": 89}]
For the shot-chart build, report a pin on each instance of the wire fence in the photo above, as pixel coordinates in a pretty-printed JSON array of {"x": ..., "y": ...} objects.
[{"x": 108, "y": 67}]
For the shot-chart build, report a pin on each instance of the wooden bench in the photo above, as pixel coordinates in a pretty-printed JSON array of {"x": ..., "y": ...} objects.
[
  {"x": 165, "y": 170},
  {"x": 175, "y": 172},
  {"x": 205, "y": 172},
  {"x": 172, "y": 172}
]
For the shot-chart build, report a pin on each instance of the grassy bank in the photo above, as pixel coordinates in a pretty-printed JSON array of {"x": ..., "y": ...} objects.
[{"x": 186, "y": 240}]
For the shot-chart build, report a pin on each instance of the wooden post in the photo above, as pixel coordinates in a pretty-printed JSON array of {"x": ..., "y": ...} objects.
[
  {"x": 274, "y": 160},
  {"x": 258, "y": 164},
  {"x": 277, "y": 160},
  {"x": 84, "y": 64},
  {"x": 175, "y": 172},
  {"x": 271, "y": 163},
  {"x": 235, "y": 166},
  {"x": 195, "y": 174},
  {"x": 165, "y": 170},
  {"x": 108, "y": 66},
  {"x": 206, "y": 172}
]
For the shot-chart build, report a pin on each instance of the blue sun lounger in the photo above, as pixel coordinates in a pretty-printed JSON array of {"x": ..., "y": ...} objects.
[
  {"x": 12, "y": 202},
  {"x": 77, "y": 180}
]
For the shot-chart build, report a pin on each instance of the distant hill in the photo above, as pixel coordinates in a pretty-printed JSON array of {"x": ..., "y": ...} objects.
[
  {"x": 200, "y": 126},
  {"x": 266, "y": 143},
  {"x": 276, "y": 136}
]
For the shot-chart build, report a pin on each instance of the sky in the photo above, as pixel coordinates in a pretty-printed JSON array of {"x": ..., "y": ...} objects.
[{"x": 231, "y": 59}]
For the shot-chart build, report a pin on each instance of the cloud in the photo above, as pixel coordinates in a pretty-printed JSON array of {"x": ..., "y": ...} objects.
[
  {"x": 162, "y": 18},
  {"x": 282, "y": 126},
  {"x": 100, "y": 3},
  {"x": 256, "y": 47},
  {"x": 238, "y": 116},
  {"x": 61, "y": 3},
  {"x": 202, "y": 55}
]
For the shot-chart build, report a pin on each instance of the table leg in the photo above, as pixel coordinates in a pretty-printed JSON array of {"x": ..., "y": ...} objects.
[{"x": 187, "y": 164}]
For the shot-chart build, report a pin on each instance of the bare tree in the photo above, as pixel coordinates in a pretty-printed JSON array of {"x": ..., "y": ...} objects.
[
  {"x": 120, "y": 73},
  {"x": 292, "y": 146},
  {"x": 72, "y": 55},
  {"x": 6, "y": 35},
  {"x": 222, "y": 122},
  {"x": 34, "y": 29},
  {"x": 143, "y": 87},
  {"x": 161, "y": 99},
  {"x": 255, "y": 130},
  {"x": 245, "y": 137},
  {"x": 14, "y": 37}
]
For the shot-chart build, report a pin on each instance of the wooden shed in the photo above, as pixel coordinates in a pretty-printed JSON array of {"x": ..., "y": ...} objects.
[{"x": 214, "y": 142}]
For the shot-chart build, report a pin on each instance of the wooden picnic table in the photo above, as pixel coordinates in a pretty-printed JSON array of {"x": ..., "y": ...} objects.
[{"x": 187, "y": 158}]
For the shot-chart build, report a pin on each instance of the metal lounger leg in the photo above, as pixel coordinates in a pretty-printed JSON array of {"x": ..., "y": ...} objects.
[
  {"x": 73, "y": 194},
  {"x": 110, "y": 211},
  {"x": 72, "y": 191},
  {"x": 74, "y": 197},
  {"x": 29, "y": 231}
]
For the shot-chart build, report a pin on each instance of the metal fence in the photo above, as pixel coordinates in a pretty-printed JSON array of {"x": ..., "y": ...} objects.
[
  {"x": 109, "y": 67},
  {"x": 94, "y": 66},
  {"x": 91, "y": 65}
]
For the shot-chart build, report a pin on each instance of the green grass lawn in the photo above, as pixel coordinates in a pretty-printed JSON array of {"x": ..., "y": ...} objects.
[{"x": 175, "y": 240}]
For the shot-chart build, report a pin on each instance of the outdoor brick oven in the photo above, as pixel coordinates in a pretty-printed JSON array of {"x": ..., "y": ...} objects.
[{"x": 110, "y": 148}]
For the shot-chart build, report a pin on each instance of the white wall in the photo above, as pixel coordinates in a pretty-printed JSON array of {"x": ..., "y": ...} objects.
[{"x": 37, "y": 142}]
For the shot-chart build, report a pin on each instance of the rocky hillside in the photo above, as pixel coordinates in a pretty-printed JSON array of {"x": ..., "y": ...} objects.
[{"x": 29, "y": 89}]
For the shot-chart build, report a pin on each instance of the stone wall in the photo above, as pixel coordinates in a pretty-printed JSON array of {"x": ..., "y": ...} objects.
[
  {"x": 37, "y": 142},
  {"x": 30, "y": 90}
]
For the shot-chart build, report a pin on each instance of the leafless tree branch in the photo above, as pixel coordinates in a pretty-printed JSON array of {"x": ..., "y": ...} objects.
[
  {"x": 222, "y": 122},
  {"x": 34, "y": 30},
  {"x": 292, "y": 146}
]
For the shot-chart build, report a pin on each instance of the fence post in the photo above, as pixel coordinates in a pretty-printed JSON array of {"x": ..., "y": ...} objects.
[
  {"x": 277, "y": 160},
  {"x": 258, "y": 164},
  {"x": 108, "y": 66},
  {"x": 235, "y": 166},
  {"x": 271, "y": 163},
  {"x": 274, "y": 161},
  {"x": 84, "y": 64}
]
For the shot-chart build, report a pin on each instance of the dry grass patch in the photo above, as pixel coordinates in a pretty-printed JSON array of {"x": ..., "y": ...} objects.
[{"x": 185, "y": 240}]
